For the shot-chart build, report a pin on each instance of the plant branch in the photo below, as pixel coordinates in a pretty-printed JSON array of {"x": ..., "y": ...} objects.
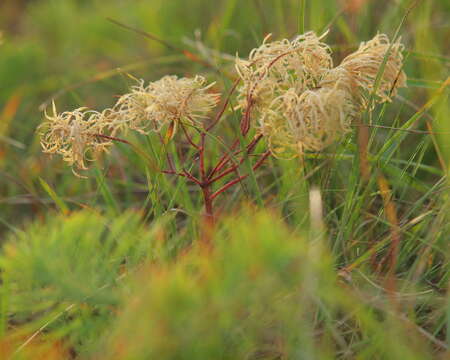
[
  {"x": 239, "y": 179},
  {"x": 224, "y": 107},
  {"x": 224, "y": 159},
  {"x": 250, "y": 148},
  {"x": 192, "y": 178},
  {"x": 188, "y": 137},
  {"x": 113, "y": 139}
]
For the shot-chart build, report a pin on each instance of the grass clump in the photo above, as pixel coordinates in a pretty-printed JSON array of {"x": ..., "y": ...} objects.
[
  {"x": 261, "y": 291},
  {"x": 63, "y": 277}
]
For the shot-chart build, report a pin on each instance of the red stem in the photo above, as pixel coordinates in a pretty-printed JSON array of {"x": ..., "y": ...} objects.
[
  {"x": 223, "y": 160},
  {"x": 113, "y": 138},
  {"x": 202, "y": 157},
  {"x": 245, "y": 123},
  {"x": 188, "y": 137},
  {"x": 239, "y": 179},
  {"x": 250, "y": 148},
  {"x": 208, "y": 200},
  {"x": 227, "y": 101},
  {"x": 192, "y": 178},
  {"x": 226, "y": 157}
]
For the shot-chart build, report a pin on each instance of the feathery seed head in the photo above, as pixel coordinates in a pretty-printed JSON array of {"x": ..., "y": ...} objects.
[
  {"x": 168, "y": 100},
  {"x": 307, "y": 122},
  {"x": 275, "y": 67},
  {"x": 304, "y": 104},
  {"x": 365, "y": 64},
  {"x": 72, "y": 134}
]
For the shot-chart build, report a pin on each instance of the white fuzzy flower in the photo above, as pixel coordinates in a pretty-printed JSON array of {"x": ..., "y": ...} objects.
[
  {"x": 166, "y": 101},
  {"x": 277, "y": 66},
  {"x": 73, "y": 134}
]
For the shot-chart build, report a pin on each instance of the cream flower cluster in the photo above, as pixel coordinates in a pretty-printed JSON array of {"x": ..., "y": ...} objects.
[
  {"x": 290, "y": 89},
  {"x": 81, "y": 134},
  {"x": 74, "y": 135},
  {"x": 364, "y": 65},
  {"x": 277, "y": 66},
  {"x": 168, "y": 100},
  {"x": 301, "y": 102}
]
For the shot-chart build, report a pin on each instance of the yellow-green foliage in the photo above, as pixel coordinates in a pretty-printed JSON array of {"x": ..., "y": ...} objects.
[
  {"x": 64, "y": 273},
  {"x": 259, "y": 293}
]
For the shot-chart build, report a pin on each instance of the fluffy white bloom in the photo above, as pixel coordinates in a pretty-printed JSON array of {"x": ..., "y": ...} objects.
[
  {"x": 277, "y": 66},
  {"x": 73, "y": 134},
  {"x": 364, "y": 65},
  {"x": 307, "y": 122},
  {"x": 166, "y": 101},
  {"x": 300, "y": 102}
]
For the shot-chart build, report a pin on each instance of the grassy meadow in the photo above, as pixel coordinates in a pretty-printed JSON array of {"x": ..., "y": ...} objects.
[{"x": 341, "y": 253}]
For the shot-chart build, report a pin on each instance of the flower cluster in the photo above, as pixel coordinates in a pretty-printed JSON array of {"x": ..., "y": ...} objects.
[
  {"x": 275, "y": 67},
  {"x": 297, "y": 99},
  {"x": 364, "y": 65},
  {"x": 308, "y": 121},
  {"x": 78, "y": 134},
  {"x": 166, "y": 101},
  {"x": 301, "y": 103}
]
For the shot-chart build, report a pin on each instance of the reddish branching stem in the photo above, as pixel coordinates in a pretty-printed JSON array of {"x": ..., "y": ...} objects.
[
  {"x": 205, "y": 183},
  {"x": 188, "y": 137},
  {"x": 206, "y": 179},
  {"x": 224, "y": 159},
  {"x": 112, "y": 138},
  {"x": 192, "y": 178},
  {"x": 250, "y": 148},
  {"x": 239, "y": 179},
  {"x": 224, "y": 106}
]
